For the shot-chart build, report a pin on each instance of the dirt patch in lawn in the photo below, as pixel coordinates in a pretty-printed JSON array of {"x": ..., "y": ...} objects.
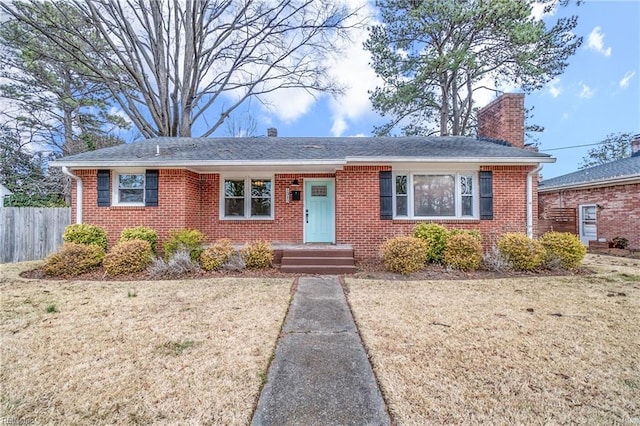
[
  {"x": 522, "y": 350},
  {"x": 169, "y": 352}
]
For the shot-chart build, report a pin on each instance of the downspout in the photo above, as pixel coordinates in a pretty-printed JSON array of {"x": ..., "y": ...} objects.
[
  {"x": 530, "y": 199},
  {"x": 66, "y": 171}
]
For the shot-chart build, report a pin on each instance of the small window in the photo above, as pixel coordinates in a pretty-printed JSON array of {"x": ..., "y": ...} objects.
[
  {"x": 319, "y": 190},
  {"x": 131, "y": 188},
  {"x": 466, "y": 192},
  {"x": 247, "y": 198},
  {"x": 401, "y": 195},
  {"x": 234, "y": 198},
  {"x": 260, "y": 197}
]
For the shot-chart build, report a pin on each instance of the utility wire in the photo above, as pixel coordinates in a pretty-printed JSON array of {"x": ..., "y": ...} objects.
[{"x": 574, "y": 146}]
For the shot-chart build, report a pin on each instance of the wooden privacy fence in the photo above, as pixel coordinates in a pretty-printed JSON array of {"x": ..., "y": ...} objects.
[
  {"x": 558, "y": 219},
  {"x": 30, "y": 233}
]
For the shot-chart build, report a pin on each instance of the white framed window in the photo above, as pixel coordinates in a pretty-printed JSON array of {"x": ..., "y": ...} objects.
[
  {"x": 246, "y": 197},
  {"x": 128, "y": 188},
  {"x": 437, "y": 195}
]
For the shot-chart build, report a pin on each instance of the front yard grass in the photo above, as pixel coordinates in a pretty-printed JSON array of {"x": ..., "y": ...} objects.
[
  {"x": 528, "y": 350},
  {"x": 163, "y": 352}
]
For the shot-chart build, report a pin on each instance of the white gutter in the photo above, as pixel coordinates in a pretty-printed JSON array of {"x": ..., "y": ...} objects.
[
  {"x": 66, "y": 171},
  {"x": 278, "y": 163},
  {"x": 592, "y": 184},
  {"x": 530, "y": 199}
]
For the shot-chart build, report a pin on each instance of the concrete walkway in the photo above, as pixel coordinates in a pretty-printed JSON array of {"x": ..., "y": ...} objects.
[{"x": 320, "y": 374}]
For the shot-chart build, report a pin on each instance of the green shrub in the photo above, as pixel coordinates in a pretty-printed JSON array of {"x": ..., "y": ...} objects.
[
  {"x": 81, "y": 233},
  {"x": 257, "y": 255},
  {"x": 524, "y": 253},
  {"x": 74, "y": 259},
  {"x": 436, "y": 237},
  {"x": 190, "y": 240},
  {"x": 563, "y": 246},
  {"x": 404, "y": 254},
  {"x": 140, "y": 233},
  {"x": 463, "y": 251},
  {"x": 128, "y": 257},
  {"x": 216, "y": 255}
]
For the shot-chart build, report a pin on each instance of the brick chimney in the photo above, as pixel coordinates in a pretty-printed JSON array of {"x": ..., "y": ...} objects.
[
  {"x": 272, "y": 132},
  {"x": 635, "y": 146},
  {"x": 503, "y": 119}
]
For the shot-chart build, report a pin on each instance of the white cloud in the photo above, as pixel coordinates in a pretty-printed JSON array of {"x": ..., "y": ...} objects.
[
  {"x": 624, "y": 83},
  {"x": 353, "y": 70},
  {"x": 554, "y": 87},
  {"x": 586, "y": 92},
  {"x": 339, "y": 126},
  {"x": 595, "y": 42},
  {"x": 565, "y": 115}
]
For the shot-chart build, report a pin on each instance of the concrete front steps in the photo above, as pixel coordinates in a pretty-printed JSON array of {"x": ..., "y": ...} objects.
[{"x": 334, "y": 260}]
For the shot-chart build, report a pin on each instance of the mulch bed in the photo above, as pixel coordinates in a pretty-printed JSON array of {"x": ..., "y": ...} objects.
[{"x": 368, "y": 269}]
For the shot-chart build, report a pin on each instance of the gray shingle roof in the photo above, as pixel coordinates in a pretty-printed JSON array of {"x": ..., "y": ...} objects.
[
  {"x": 614, "y": 171},
  {"x": 190, "y": 151}
]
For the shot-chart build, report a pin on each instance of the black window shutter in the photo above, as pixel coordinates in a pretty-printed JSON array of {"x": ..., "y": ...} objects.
[
  {"x": 151, "y": 188},
  {"x": 104, "y": 188},
  {"x": 486, "y": 195},
  {"x": 386, "y": 196}
]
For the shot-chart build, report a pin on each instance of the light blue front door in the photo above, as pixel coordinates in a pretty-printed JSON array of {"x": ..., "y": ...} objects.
[{"x": 320, "y": 211}]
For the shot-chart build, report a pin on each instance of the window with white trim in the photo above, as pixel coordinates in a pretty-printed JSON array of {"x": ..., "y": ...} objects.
[
  {"x": 128, "y": 188},
  {"x": 435, "y": 195},
  {"x": 247, "y": 198}
]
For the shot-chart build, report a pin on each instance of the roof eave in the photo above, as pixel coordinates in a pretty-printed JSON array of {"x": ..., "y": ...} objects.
[
  {"x": 191, "y": 164},
  {"x": 592, "y": 184},
  {"x": 274, "y": 163},
  {"x": 483, "y": 160}
]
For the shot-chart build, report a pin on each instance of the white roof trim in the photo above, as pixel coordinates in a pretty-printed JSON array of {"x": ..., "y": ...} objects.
[
  {"x": 334, "y": 163},
  {"x": 482, "y": 160},
  {"x": 592, "y": 184}
]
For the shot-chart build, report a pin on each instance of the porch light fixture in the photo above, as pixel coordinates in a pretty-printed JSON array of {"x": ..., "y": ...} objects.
[{"x": 295, "y": 182}]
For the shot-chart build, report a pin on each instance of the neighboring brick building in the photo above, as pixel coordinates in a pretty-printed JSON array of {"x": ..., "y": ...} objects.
[
  {"x": 356, "y": 191},
  {"x": 603, "y": 200}
]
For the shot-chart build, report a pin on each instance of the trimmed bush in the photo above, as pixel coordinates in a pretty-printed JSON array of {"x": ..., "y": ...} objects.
[
  {"x": 257, "y": 255},
  {"x": 216, "y": 255},
  {"x": 128, "y": 257},
  {"x": 463, "y": 251},
  {"x": 404, "y": 255},
  {"x": 190, "y": 240},
  {"x": 436, "y": 237},
  {"x": 140, "y": 233},
  {"x": 74, "y": 259},
  {"x": 524, "y": 253},
  {"x": 563, "y": 246},
  {"x": 81, "y": 233},
  {"x": 473, "y": 232}
]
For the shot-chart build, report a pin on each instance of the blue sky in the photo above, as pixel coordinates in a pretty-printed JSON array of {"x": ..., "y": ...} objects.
[{"x": 598, "y": 94}]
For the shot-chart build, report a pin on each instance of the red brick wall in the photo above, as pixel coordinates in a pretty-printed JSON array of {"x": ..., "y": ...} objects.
[
  {"x": 189, "y": 200},
  {"x": 503, "y": 119},
  {"x": 619, "y": 215},
  {"x": 174, "y": 198}
]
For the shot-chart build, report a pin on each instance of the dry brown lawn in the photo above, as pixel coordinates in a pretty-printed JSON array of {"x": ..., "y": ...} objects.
[
  {"x": 530, "y": 350},
  {"x": 163, "y": 352}
]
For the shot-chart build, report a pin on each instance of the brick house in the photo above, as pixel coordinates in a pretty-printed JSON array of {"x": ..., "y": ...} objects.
[
  {"x": 604, "y": 200},
  {"x": 346, "y": 191}
]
